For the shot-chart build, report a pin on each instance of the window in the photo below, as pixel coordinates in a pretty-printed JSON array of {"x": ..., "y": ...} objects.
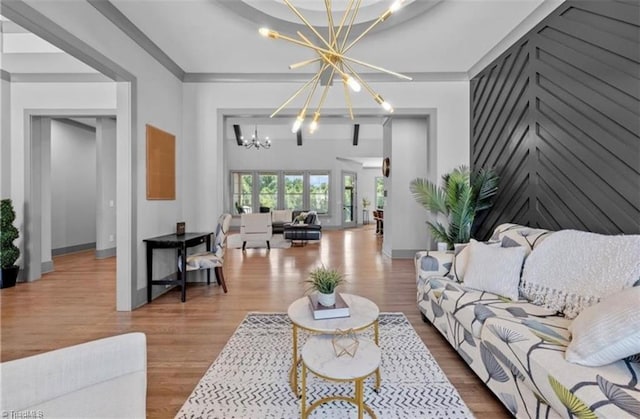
[
  {"x": 319, "y": 193},
  {"x": 253, "y": 191},
  {"x": 242, "y": 192},
  {"x": 268, "y": 194},
  {"x": 293, "y": 191},
  {"x": 379, "y": 192}
]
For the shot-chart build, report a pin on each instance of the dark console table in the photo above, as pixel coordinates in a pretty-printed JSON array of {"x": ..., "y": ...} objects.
[{"x": 174, "y": 241}]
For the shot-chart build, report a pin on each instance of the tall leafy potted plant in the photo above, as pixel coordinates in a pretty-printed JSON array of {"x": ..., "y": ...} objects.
[
  {"x": 9, "y": 253},
  {"x": 459, "y": 199},
  {"x": 325, "y": 281}
]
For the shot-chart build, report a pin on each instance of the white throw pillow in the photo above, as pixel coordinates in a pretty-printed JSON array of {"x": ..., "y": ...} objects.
[
  {"x": 606, "y": 332},
  {"x": 494, "y": 269},
  {"x": 461, "y": 258}
]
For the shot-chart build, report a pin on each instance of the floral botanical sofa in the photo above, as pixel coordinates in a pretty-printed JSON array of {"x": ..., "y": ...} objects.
[{"x": 518, "y": 348}]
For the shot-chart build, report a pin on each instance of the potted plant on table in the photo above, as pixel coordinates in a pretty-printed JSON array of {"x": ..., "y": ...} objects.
[
  {"x": 459, "y": 199},
  {"x": 9, "y": 253},
  {"x": 325, "y": 281}
]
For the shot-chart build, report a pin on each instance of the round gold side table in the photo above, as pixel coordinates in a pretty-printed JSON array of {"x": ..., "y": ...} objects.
[{"x": 319, "y": 357}]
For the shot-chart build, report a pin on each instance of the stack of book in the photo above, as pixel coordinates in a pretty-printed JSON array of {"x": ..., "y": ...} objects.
[{"x": 339, "y": 309}]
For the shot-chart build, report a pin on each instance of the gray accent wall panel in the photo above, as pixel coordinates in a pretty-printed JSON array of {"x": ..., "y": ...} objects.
[{"x": 558, "y": 117}]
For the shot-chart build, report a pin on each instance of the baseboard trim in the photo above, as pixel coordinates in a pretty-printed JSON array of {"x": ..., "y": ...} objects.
[
  {"x": 404, "y": 253},
  {"x": 105, "y": 253},
  {"x": 46, "y": 267},
  {"x": 72, "y": 249}
]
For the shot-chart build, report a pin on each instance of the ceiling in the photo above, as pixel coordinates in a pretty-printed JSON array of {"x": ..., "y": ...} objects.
[{"x": 221, "y": 37}]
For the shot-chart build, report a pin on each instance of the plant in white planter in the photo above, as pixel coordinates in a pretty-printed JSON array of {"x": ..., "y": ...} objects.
[
  {"x": 325, "y": 281},
  {"x": 9, "y": 253}
]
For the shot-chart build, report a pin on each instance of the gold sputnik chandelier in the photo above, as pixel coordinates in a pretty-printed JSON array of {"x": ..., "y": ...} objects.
[{"x": 332, "y": 55}]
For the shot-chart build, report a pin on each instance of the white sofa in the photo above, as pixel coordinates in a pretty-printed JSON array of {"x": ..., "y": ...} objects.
[
  {"x": 105, "y": 378},
  {"x": 518, "y": 348}
]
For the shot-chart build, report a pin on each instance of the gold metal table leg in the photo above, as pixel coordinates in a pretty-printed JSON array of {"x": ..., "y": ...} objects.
[
  {"x": 359, "y": 398},
  {"x": 293, "y": 373},
  {"x": 303, "y": 402},
  {"x": 376, "y": 335}
]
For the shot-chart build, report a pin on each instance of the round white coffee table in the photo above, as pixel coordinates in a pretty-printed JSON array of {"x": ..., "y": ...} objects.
[
  {"x": 319, "y": 357},
  {"x": 363, "y": 313}
]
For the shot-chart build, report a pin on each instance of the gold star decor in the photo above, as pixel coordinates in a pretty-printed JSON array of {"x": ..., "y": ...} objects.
[
  {"x": 332, "y": 55},
  {"x": 345, "y": 342}
]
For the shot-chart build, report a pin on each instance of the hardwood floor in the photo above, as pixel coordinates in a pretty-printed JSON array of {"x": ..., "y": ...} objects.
[{"x": 76, "y": 303}]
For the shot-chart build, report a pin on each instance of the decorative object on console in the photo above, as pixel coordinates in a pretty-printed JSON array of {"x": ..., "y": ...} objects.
[
  {"x": 325, "y": 281},
  {"x": 180, "y": 228},
  {"x": 608, "y": 331},
  {"x": 572, "y": 270},
  {"x": 320, "y": 311},
  {"x": 345, "y": 342},
  {"x": 255, "y": 141},
  {"x": 332, "y": 56},
  {"x": 459, "y": 199},
  {"x": 9, "y": 253}
]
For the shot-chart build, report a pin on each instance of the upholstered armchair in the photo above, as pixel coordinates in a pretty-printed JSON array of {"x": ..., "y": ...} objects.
[
  {"x": 214, "y": 258},
  {"x": 256, "y": 227}
]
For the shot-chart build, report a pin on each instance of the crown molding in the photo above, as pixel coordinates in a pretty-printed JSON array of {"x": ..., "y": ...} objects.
[
  {"x": 29, "y": 18},
  {"x": 112, "y": 13},
  {"x": 303, "y": 77},
  {"x": 527, "y": 24},
  {"x": 58, "y": 78}
]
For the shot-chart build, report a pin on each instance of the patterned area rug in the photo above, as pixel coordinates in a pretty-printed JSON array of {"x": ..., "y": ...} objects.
[
  {"x": 277, "y": 242},
  {"x": 250, "y": 378}
]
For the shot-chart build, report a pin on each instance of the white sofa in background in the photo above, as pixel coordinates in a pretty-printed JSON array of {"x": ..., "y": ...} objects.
[
  {"x": 105, "y": 378},
  {"x": 519, "y": 349}
]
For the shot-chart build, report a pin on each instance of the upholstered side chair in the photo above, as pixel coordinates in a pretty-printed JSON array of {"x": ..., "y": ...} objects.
[
  {"x": 215, "y": 257},
  {"x": 256, "y": 227}
]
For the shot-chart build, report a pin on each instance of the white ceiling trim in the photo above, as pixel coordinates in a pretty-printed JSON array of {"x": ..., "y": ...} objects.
[
  {"x": 113, "y": 14},
  {"x": 303, "y": 77},
  {"x": 57, "y": 78},
  {"x": 530, "y": 22}
]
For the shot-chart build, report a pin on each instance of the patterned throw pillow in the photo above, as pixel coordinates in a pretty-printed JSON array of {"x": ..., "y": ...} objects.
[{"x": 514, "y": 235}]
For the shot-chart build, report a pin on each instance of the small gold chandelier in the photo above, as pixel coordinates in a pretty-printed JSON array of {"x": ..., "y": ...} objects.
[{"x": 332, "y": 57}]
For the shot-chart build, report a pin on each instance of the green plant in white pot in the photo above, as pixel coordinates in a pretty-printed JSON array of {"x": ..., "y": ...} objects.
[
  {"x": 325, "y": 281},
  {"x": 9, "y": 253},
  {"x": 461, "y": 196}
]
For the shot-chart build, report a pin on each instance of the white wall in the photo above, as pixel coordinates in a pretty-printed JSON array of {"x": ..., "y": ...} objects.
[
  {"x": 5, "y": 139},
  {"x": 405, "y": 221},
  {"x": 73, "y": 185},
  {"x": 156, "y": 99},
  {"x": 105, "y": 185},
  {"x": 202, "y": 134},
  {"x": 34, "y": 97}
]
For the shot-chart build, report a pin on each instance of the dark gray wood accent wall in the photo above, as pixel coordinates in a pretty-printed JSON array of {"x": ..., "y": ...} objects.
[{"x": 558, "y": 117}]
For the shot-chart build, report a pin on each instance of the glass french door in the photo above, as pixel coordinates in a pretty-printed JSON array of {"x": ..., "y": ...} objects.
[{"x": 349, "y": 199}]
